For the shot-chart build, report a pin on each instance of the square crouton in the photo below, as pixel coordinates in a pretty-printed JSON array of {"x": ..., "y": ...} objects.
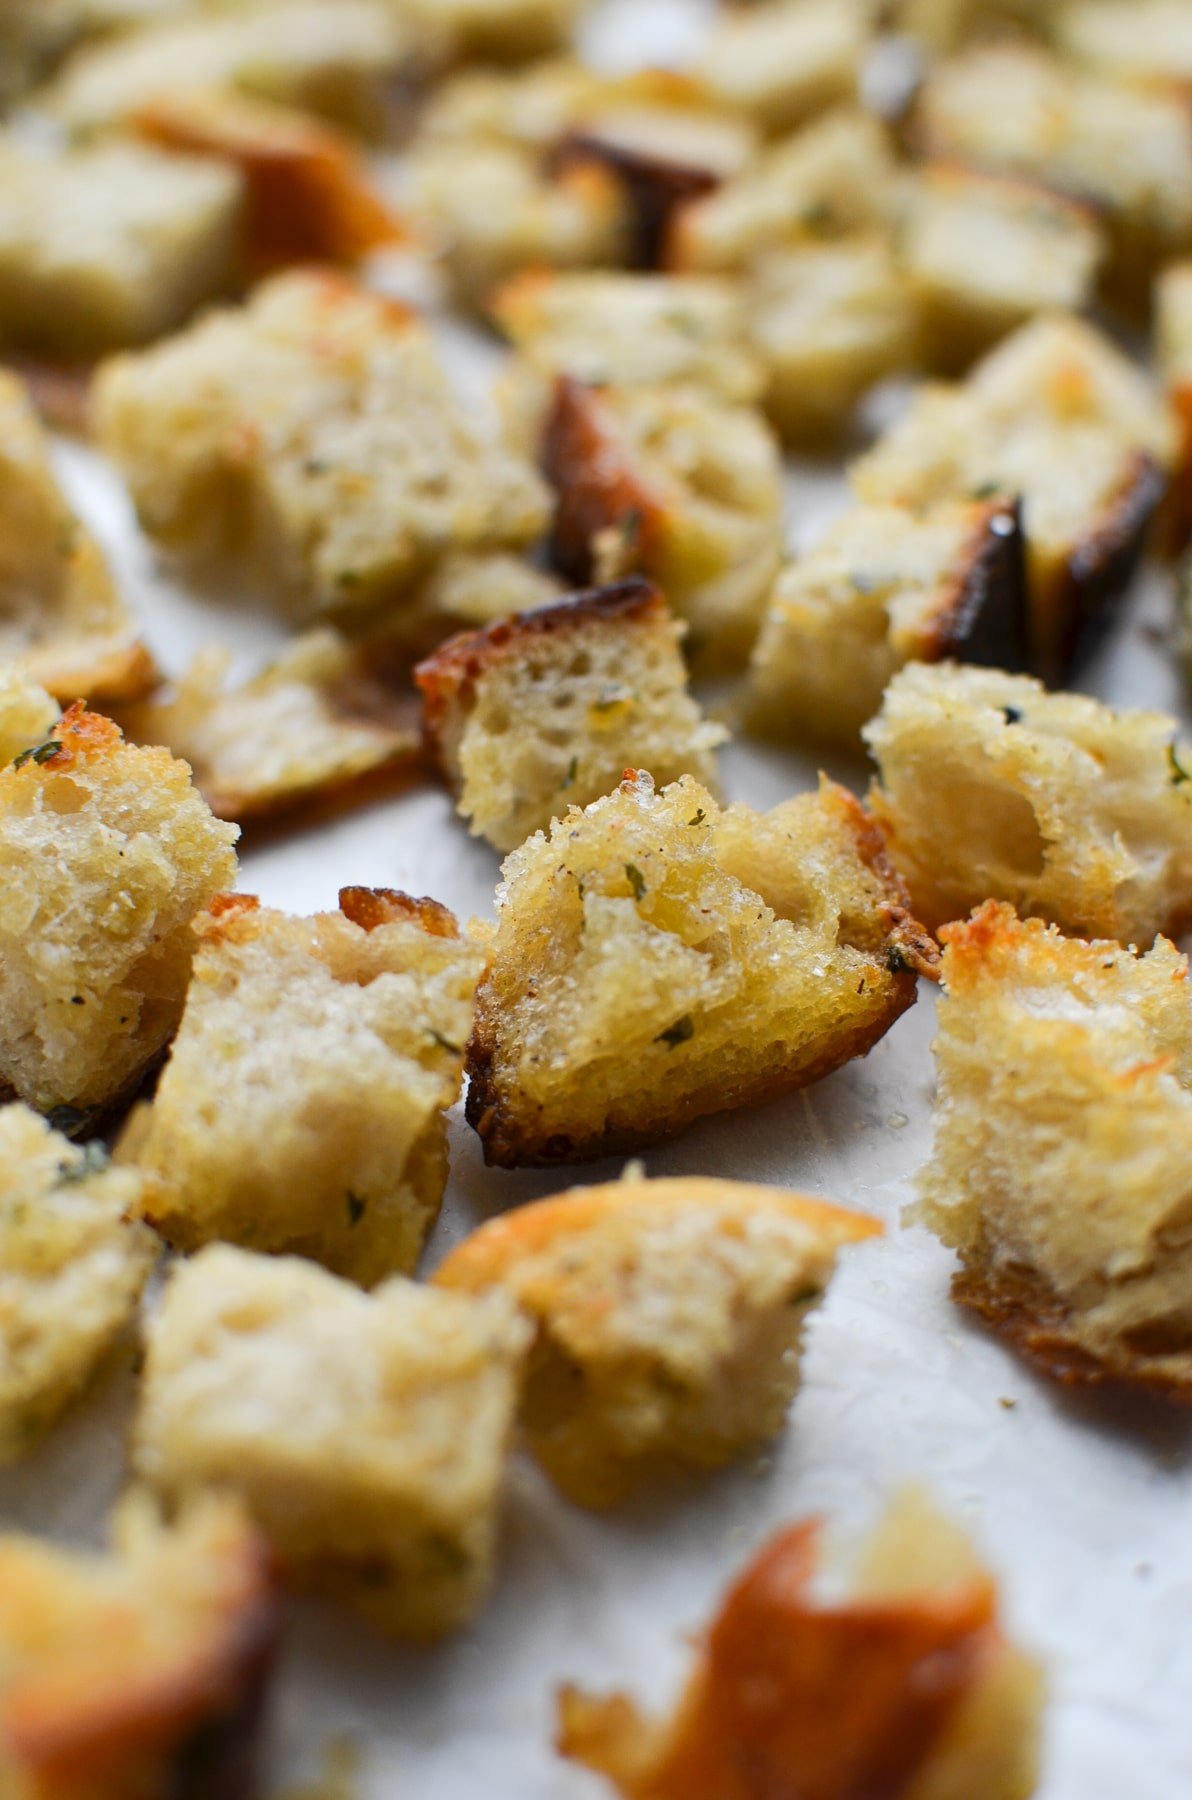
[
  {"x": 1058, "y": 416},
  {"x": 107, "y": 852},
  {"x": 547, "y": 710},
  {"x": 1063, "y": 1134},
  {"x": 366, "y": 1433},
  {"x": 72, "y": 1266},
  {"x": 1173, "y": 349},
  {"x": 302, "y": 1105},
  {"x": 27, "y": 713},
  {"x": 1144, "y": 41},
  {"x": 311, "y": 440},
  {"x": 656, "y": 958},
  {"x": 885, "y": 586},
  {"x": 671, "y": 483},
  {"x": 992, "y": 788},
  {"x": 899, "y": 1681},
  {"x": 669, "y": 1318},
  {"x": 62, "y": 621},
  {"x": 786, "y": 60},
  {"x": 140, "y": 1670}
]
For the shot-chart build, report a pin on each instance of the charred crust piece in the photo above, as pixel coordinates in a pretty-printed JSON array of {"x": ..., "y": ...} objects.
[
  {"x": 987, "y": 620},
  {"x": 1102, "y": 566},
  {"x": 597, "y": 487},
  {"x": 370, "y": 907},
  {"x": 656, "y": 189}
]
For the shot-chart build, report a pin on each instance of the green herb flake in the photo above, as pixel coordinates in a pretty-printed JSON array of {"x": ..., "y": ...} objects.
[
  {"x": 444, "y": 1043},
  {"x": 356, "y": 1208},
  {"x": 987, "y": 490},
  {"x": 897, "y": 961},
  {"x": 697, "y": 818},
  {"x": 569, "y": 779},
  {"x": 678, "y": 1033},
  {"x": 1011, "y": 714},
  {"x": 1178, "y": 772},
  {"x": 637, "y": 880},
  {"x": 93, "y": 1161},
  {"x": 37, "y": 753}
]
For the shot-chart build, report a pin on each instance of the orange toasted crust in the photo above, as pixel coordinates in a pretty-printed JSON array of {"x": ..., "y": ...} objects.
[
  {"x": 597, "y": 486},
  {"x": 233, "y": 917}
]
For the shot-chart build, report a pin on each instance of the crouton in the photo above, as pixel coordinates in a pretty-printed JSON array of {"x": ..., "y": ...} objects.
[
  {"x": 62, "y": 621},
  {"x": 984, "y": 253},
  {"x": 531, "y": 108},
  {"x": 302, "y": 1105},
  {"x": 546, "y": 710},
  {"x": 142, "y": 1670},
  {"x": 656, "y": 958},
  {"x": 784, "y": 61},
  {"x": 884, "y": 587},
  {"x": 72, "y": 1266},
  {"x": 1058, "y": 416},
  {"x": 366, "y": 1433},
  {"x": 499, "y": 30},
  {"x": 671, "y": 483},
  {"x": 1063, "y": 1131},
  {"x": 310, "y": 726},
  {"x": 312, "y": 441},
  {"x": 463, "y": 592},
  {"x": 106, "y": 854},
  {"x": 27, "y": 713},
  {"x": 1173, "y": 346},
  {"x": 943, "y": 25},
  {"x": 1146, "y": 41},
  {"x": 990, "y": 787},
  {"x": 905, "y": 1685},
  {"x": 669, "y": 1319}
]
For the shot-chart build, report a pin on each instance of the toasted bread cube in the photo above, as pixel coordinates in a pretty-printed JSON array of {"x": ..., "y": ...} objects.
[
  {"x": 62, "y": 621},
  {"x": 1063, "y": 1132},
  {"x": 984, "y": 253},
  {"x": 992, "y": 788},
  {"x": 27, "y": 713},
  {"x": 311, "y": 726},
  {"x": 1146, "y": 41},
  {"x": 1173, "y": 347},
  {"x": 140, "y": 1670},
  {"x": 656, "y": 958},
  {"x": 499, "y": 30},
  {"x": 72, "y": 1266},
  {"x": 1058, "y": 416},
  {"x": 107, "y": 852},
  {"x": 829, "y": 320},
  {"x": 547, "y": 709},
  {"x": 904, "y": 1684},
  {"x": 312, "y": 440},
  {"x": 885, "y": 586},
  {"x": 669, "y": 1318},
  {"x": 366, "y": 1433},
  {"x": 784, "y": 61},
  {"x": 302, "y": 1105},
  {"x": 672, "y": 483},
  {"x": 532, "y": 108}
]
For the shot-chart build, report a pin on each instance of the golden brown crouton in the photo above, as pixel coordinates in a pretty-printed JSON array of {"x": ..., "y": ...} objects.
[
  {"x": 785, "y": 60},
  {"x": 669, "y": 1319},
  {"x": 657, "y": 958},
  {"x": 885, "y": 586},
  {"x": 366, "y": 1433},
  {"x": 61, "y": 619},
  {"x": 1063, "y": 1133},
  {"x": 547, "y": 710},
  {"x": 907, "y": 1688},
  {"x": 312, "y": 439},
  {"x": 72, "y": 1266},
  {"x": 106, "y": 854},
  {"x": 141, "y": 1671},
  {"x": 992, "y": 788},
  {"x": 27, "y": 713},
  {"x": 302, "y": 1105}
]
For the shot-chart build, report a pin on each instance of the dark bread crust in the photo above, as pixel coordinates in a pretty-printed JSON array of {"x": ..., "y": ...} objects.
[
  {"x": 597, "y": 486},
  {"x": 984, "y": 616},
  {"x": 655, "y": 188}
]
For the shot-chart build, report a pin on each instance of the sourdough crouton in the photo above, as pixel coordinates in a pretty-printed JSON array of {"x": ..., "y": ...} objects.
[
  {"x": 106, "y": 854},
  {"x": 672, "y": 483},
  {"x": 1063, "y": 1132},
  {"x": 884, "y": 587},
  {"x": 27, "y": 713},
  {"x": 142, "y": 1670},
  {"x": 312, "y": 440},
  {"x": 72, "y": 1266},
  {"x": 785, "y": 60},
  {"x": 546, "y": 710},
  {"x": 905, "y": 1685},
  {"x": 366, "y": 1433},
  {"x": 62, "y": 621},
  {"x": 302, "y": 1105},
  {"x": 1058, "y": 416},
  {"x": 498, "y": 30},
  {"x": 656, "y": 958},
  {"x": 669, "y": 1319},
  {"x": 1146, "y": 41},
  {"x": 990, "y": 787},
  {"x": 1173, "y": 347},
  {"x": 311, "y": 725}
]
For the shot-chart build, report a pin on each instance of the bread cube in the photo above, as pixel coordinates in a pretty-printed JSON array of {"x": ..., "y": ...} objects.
[
  {"x": 1059, "y": 417},
  {"x": 990, "y": 787},
  {"x": 1148, "y": 41},
  {"x": 106, "y": 854},
  {"x": 27, "y": 713},
  {"x": 532, "y": 108},
  {"x": 1063, "y": 1132},
  {"x": 547, "y": 709},
  {"x": 366, "y": 1433},
  {"x": 903, "y": 1684},
  {"x": 1173, "y": 349},
  {"x": 72, "y": 1266},
  {"x": 656, "y": 958},
  {"x": 302, "y": 1105},
  {"x": 885, "y": 586},
  {"x": 62, "y": 621},
  {"x": 499, "y": 30},
  {"x": 783, "y": 61},
  {"x": 312, "y": 441},
  {"x": 671, "y": 483},
  {"x": 669, "y": 1317},
  {"x": 141, "y": 1670},
  {"x": 463, "y": 592}
]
